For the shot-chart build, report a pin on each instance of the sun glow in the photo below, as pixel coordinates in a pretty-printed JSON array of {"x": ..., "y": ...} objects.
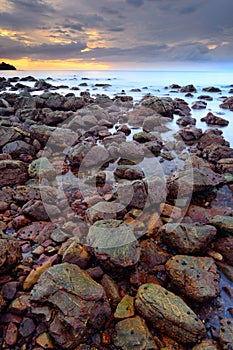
[{"x": 26, "y": 63}]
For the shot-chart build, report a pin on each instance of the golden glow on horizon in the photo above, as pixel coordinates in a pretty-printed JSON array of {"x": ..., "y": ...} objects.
[{"x": 26, "y": 63}]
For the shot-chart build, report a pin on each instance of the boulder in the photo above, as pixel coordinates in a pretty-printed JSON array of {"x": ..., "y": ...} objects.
[
  {"x": 163, "y": 105},
  {"x": 193, "y": 180},
  {"x": 131, "y": 150},
  {"x": 133, "y": 194},
  {"x": 187, "y": 238},
  {"x": 189, "y": 133},
  {"x": 227, "y": 103},
  {"x": 211, "y": 89},
  {"x": 197, "y": 277},
  {"x": 212, "y": 119},
  {"x": 224, "y": 245},
  {"x": 12, "y": 172},
  {"x": 188, "y": 88},
  {"x": 169, "y": 314},
  {"x": 181, "y": 107},
  {"x": 35, "y": 209},
  {"x": 214, "y": 152},
  {"x": 78, "y": 304},
  {"x": 40, "y": 168},
  {"x": 199, "y": 105},
  {"x": 226, "y": 333},
  {"x": 212, "y": 136},
  {"x": 16, "y": 148},
  {"x": 114, "y": 243}
]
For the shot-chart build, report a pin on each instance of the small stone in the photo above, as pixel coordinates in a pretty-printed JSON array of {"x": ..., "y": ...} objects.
[
  {"x": 9, "y": 290},
  {"x": 11, "y": 336},
  {"x": 27, "y": 327},
  {"x": 226, "y": 334},
  {"x": 34, "y": 275},
  {"x": 125, "y": 308},
  {"x": 45, "y": 341},
  {"x": 111, "y": 290}
]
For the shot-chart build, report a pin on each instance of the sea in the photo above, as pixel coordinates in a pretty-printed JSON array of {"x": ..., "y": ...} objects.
[{"x": 146, "y": 82}]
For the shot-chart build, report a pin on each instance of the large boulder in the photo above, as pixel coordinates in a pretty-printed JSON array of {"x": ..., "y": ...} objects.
[
  {"x": 169, "y": 314},
  {"x": 114, "y": 243},
  {"x": 223, "y": 223},
  {"x": 212, "y": 119},
  {"x": 16, "y": 148},
  {"x": 187, "y": 238},
  {"x": 163, "y": 105},
  {"x": 197, "y": 277},
  {"x": 227, "y": 103},
  {"x": 77, "y": 303}
]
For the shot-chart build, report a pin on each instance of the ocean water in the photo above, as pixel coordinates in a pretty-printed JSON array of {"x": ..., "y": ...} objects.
[{"x": 153, "y": 82}]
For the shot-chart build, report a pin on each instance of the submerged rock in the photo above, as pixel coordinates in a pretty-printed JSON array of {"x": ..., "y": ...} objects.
[
  {"x": 78, "y": 303},
  {"x": 197, "y": 277},
  {"x": 168, "y": 313}
]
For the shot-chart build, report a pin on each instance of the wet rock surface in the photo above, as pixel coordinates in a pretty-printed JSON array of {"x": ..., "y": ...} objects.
[
  {"x": 197, "y": 277},
  {"x": 98, "y": 196},
  {"x": 169, "y": 313},
  {"x": 87, "y": 304}
]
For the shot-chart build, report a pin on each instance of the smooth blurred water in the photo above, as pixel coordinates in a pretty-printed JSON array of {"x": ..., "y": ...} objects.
[{"x": 153, "y": 82}]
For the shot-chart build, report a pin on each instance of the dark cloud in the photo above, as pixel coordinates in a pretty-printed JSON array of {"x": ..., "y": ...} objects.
[
  {"x": 130, "y": 30},
  {"x": 136, "y": 3}
]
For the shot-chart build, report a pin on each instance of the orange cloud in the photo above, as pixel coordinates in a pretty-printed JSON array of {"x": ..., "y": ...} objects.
[{"x": 26, "y": 63}]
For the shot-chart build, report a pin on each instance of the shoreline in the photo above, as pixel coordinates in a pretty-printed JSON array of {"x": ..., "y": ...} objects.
[{"x": 76, "y": 170}]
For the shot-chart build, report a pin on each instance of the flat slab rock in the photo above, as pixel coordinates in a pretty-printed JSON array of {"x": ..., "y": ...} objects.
[
  {"x": 197, "y": 277},
  {"x": 78, "y": 303},
  {"x": 168, "y": 313},
  {"x": 187, "y": 238}
]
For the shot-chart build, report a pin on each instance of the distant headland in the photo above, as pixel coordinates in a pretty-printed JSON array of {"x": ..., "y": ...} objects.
[{"x": 6, "y": 66}]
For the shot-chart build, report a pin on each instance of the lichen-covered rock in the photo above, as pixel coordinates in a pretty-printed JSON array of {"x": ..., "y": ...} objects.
[
  {"x": 163, "y": 105},
  {"x": 197, "y": 277},
  {"x": 223, "y": 223},
  {"x": 225, "y": 165},
  {"x": 226, "y": 333},
  {"x": 168, "y": 313},
  {"x": 125, "y": 308},
  {"x": 187, "y": 238},
  {"x": 12, "y": 172},
  {"x": 78, "y": 302},
  {"x": 76, "y": 254},
  {"x": 10, "y": 254},
  {"x": 133, "y": 333},
  {"x": 40, "y": 168},
  {"x": 114, "y": 243}
]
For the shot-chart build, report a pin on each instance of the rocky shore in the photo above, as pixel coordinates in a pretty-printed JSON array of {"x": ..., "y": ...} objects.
[{"x": 111, "y": 235}]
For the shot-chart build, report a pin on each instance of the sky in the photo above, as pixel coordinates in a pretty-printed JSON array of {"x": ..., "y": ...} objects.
[{"x": 116, "y": 34}]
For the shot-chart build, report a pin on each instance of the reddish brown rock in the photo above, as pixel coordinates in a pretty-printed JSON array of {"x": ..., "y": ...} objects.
[
  {"x": 12, "y": 172},
  {"x": 197, "y": 277},
  {"x": 10, "y": 254},
  {"x": 169, "y": 314},
  {"x": 212, "y": 119},
  {"x": 11, "y": 336},
  {"x": 224, "y": 245},
  {"x": 36, "y": 210}
]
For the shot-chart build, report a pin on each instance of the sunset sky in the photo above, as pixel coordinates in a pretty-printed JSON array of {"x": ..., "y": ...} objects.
[{"x": 116, "y": 34}]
